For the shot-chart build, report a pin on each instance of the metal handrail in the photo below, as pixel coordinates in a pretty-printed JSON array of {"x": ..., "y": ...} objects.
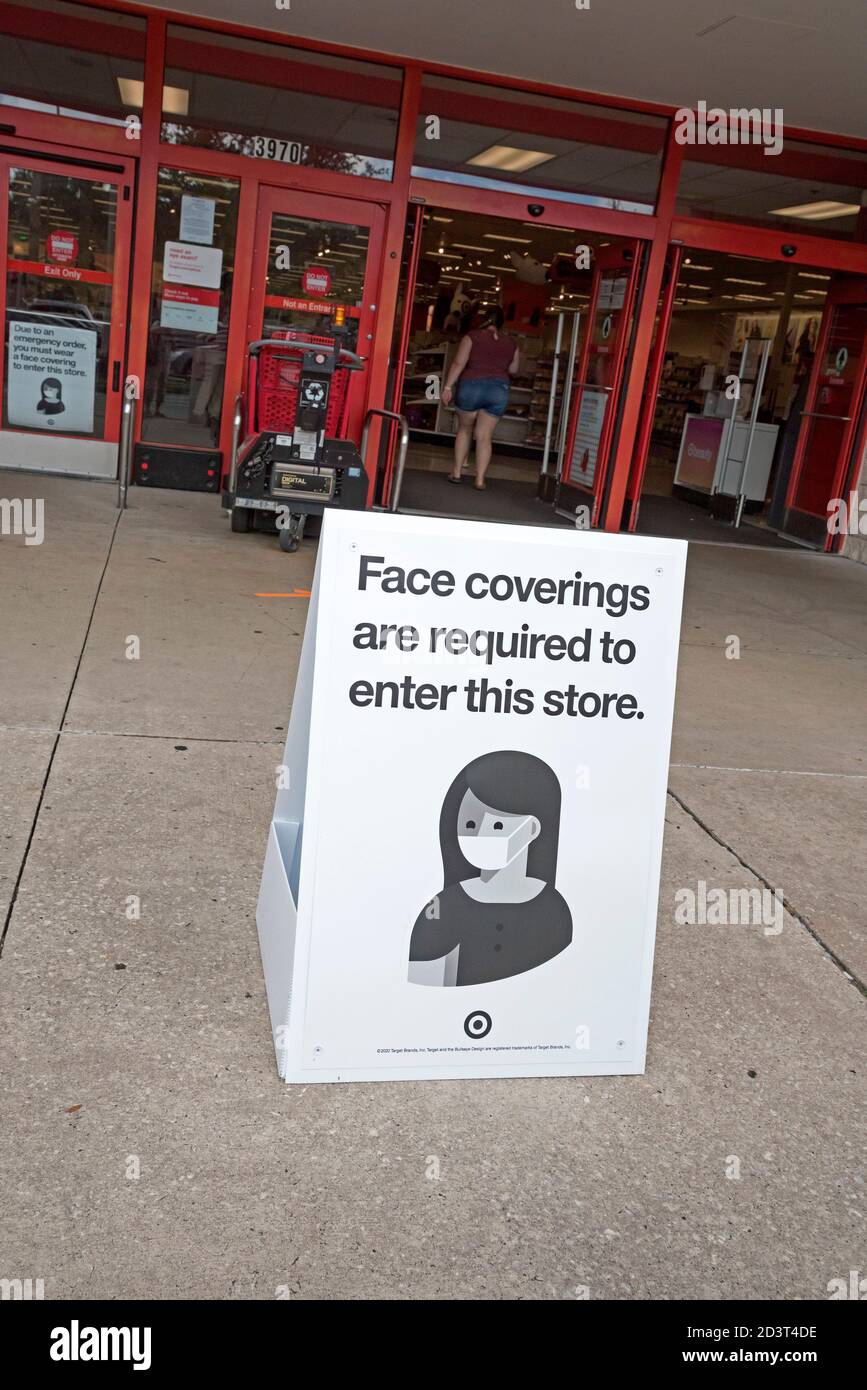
[
  {"x": 397, "y": 475},
  {"x": 124, "y": 450},
  {"x": 822, "y": 415},
  {"x": 237, "y": 422},
  {"x": 355, "y": 364}
]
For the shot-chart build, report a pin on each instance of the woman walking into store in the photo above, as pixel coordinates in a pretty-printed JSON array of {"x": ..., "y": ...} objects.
[{"x": 484, "y": 361}]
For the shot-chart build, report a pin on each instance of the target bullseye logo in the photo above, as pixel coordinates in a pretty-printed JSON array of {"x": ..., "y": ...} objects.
[{"x": 477, "y": 1024}]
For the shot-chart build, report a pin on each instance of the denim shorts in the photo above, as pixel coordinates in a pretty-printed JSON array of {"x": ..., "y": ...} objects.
[{"x": 490, "y": 394}]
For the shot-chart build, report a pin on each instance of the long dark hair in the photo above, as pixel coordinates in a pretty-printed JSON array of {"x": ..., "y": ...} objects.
[
  {"x": 493, "y": 317},
  {"x": 516, "y": 784}
]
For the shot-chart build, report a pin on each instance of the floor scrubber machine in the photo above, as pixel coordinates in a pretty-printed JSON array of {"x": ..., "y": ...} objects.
[{"x": 293, "y": 461}]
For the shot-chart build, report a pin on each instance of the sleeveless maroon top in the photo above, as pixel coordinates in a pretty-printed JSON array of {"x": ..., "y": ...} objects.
[{"x": 489, "y": 356}]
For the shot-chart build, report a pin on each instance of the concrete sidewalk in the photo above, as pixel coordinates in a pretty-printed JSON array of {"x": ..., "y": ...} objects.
[{"x": 149, "y": 1149}]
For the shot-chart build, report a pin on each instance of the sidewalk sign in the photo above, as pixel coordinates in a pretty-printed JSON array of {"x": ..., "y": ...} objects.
[{"x": 462, "y": 869}]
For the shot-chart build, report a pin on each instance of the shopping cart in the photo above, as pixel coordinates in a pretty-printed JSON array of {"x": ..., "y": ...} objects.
[{"x": 293, "y": 460}]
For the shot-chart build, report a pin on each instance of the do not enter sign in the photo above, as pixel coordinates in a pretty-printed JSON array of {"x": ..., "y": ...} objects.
[
  {"x": 316, "y": 281},
  {"x": 62, "y": 247}
]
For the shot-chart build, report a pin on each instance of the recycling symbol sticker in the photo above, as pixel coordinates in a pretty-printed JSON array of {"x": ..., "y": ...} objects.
[{"x": 314, "y": 392}]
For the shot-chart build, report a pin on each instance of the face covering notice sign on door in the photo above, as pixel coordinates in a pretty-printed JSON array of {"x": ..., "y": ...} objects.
[{"x": 462, "y": 869}]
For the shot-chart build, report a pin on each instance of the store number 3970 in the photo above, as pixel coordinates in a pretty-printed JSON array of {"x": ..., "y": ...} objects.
[{"x": 287, "y": 151}]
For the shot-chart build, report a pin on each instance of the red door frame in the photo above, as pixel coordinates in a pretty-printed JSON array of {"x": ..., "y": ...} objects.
[
  {"x": 491, "y": 202},
  {"x": 578, "y": 217},
  {"x": 327, "y": 209},
  {"x": 406, "y": 319},
  {"x": 624, "y": 446},
  {"x": 496, "y": 203},
  {"x": 394, "y": 194},
  {"x": 114, "y": 170},
  {"x": 759, "y": 243},
  {"x": 856, "y": 457},
  {"x": 766, "y": 244},
  {"x": 606, "y": 262},
  {"x": 651, "y": 391},
  {"x": 846, "y": 292},
  {"x": 253, "y": 175},
  {"x": 404, "y": 333}
]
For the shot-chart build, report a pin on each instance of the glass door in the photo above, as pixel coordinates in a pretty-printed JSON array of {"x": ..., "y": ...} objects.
[
  {"x": 830, "y": 418},
  {"x": 316, "y": 268},
  {"x": 590, "y": 428},
  {"x": 63, "y": 297}
]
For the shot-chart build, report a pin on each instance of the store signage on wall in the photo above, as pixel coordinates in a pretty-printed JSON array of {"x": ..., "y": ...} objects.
[
  {"x": 192, "y": 265},
  {"x": 485, "y": 905},
  {"x": 190, "y": 308},
  {"x": 311, "y": 306},
  {"x": 51, "y": 377},
  {"x": 316, "y": 281},
  {"x": 62, "y": 247},
  {"x": 58, "y": 272},
  {"x": 197, "y": 219}
]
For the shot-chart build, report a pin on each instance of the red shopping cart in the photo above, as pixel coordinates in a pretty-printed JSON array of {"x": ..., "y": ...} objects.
[{"x": 293, "y": 461}]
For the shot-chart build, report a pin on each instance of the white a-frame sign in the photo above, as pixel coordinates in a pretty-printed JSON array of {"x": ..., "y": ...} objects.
[{"x": 462, "y": 870}]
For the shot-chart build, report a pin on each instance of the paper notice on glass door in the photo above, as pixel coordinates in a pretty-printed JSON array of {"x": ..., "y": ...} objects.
[
  {"x": 192, "y": 265},
  {"x": 612, "y": 292},
  {"x": 51, "y": 377},
  {"x": 189, "y": 308},
  {"x": 197, "y": 219}
]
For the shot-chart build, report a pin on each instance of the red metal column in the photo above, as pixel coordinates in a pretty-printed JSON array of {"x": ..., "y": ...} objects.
[
  {"x": 236, "y": 344},
  {"x": 389, "y": 286},
  {"x": 654, "y": 375},
  {"x": 622, "y": 461},
  {"x": 406, "y": 324},
  {"x": 145, "y": 209}
]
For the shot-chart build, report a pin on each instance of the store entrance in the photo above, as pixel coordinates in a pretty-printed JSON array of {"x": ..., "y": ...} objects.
[
  {"x": 738, "y": 438},
  {"x": 315, "y": 268},
  {"x": 567, "y": 301},
  {"x": 824, "y": 465},
  {"x": 63, "y": 300}
]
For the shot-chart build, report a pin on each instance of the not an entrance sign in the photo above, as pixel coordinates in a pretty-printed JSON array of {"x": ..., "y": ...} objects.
[{"x": 463, "y": 865}]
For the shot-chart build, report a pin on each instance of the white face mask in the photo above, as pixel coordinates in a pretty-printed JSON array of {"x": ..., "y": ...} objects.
[{"x": 496, "y": 851}]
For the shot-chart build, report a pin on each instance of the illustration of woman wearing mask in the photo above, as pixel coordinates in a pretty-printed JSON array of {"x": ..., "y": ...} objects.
[
  {"x": 499, "y": 912},
  {"x": 50, "y": 397}
]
